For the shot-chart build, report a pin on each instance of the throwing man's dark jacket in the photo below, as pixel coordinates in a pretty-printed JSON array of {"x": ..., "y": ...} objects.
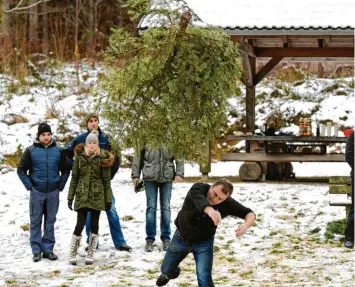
[
  {"x": 43, "y": 165},
  {"x": 194, "y": 224}
]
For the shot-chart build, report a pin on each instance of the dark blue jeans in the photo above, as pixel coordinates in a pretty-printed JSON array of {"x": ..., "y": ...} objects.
[
  {"x": 45, "y": 205},
  {"x": 151, "y": 191},
  {"x": 114, "y": 223},
  {"x": 203, "y": 254}
]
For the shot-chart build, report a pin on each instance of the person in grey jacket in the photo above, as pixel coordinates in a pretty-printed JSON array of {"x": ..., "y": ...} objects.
[
  {"x": 349, "y": 157},
  {"x": 159, "y": 169}
]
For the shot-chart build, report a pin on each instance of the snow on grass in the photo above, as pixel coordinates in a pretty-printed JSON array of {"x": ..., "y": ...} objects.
[{"x": 280, "y": 250}]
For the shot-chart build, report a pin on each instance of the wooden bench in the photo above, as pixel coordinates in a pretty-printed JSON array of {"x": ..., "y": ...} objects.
[{"x": 340, "y": 185}]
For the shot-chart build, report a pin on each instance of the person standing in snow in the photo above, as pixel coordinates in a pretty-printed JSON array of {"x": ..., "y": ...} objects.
[
  {"x": 43, "y": 171},
  {"x": 349, "y": 157},
  {"x": 158, "y": 169},
  {"x": 92, "y": 123},
  {"x": 90, "y": 186},
  {"x": 196, "y": 225}
]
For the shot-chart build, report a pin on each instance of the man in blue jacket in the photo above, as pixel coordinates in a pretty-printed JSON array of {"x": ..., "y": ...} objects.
[
  {"x": 43, "y": 171},
  {"x": 92, "y": 123}
]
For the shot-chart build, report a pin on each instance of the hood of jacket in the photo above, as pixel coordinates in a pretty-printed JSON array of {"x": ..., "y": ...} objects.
[{"x": 107, "y": 158}]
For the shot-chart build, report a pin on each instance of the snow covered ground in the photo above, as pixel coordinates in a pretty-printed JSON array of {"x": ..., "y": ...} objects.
[{"x": 279, "y": 250}]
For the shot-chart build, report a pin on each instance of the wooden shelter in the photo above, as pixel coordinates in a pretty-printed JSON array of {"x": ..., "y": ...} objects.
[{"x": 272, "y": 31}]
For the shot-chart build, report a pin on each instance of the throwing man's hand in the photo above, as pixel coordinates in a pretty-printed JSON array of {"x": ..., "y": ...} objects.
[
  {"x": 241, "y": 230},
  {"x": 135, "y": 181},
  {"x": 214, "y": 214}
]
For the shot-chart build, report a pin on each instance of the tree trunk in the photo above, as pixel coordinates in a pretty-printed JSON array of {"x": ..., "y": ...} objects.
[
  {"x": 45, "y": 45},
  {"x": 7, "y": 49},
  {"x": 90, "y": 29},
  {"x": 33, "y": 32},
  {"x": 76, "y": 49}
]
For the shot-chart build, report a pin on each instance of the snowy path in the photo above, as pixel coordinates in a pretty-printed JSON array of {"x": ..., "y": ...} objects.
[{"x": 278, "y": 251}]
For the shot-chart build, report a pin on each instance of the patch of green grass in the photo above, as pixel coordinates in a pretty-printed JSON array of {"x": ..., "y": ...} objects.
[
  {"x": 86, "y": 269},
  {"x": 232, "y": 271},
  {"x": 298, "y": 83},
  {"x": 216, "y": 248},
  {"x": 245, "y": 275},
  {"x": 13, "y": 159},
  {"x": 151, "y": 271},
  {"x": 231, "y": 259},
  {"x": 273, "y": 233},
  {"x": 330, "y": 88},
  {"x": 106, "y": 267},
  {"x": 341, "y": 93},
  {"x": 10, "y": 282},
  {"x": 335, "y": 227},
  {"x": 276, "y": 251},
  {"x": 276, "y": 245},
  {"x": 315, "y": 230}
]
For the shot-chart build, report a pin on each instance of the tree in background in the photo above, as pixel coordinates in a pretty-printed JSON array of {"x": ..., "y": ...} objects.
[
  {"x": 170, "y": 85},
  {"x": 64, "y": 30}
]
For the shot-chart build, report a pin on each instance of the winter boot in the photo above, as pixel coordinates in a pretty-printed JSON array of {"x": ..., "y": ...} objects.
[
  {"x": 75, "y": 243},
  {"x": 164, "y": 279},
  {"x": 166, "y": 245},
  {"x": 149, "y": 246},
  {"x": 91, "y": 248}
]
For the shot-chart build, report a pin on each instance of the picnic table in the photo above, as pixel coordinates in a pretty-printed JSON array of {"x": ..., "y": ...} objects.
[{"x": 279, "y": 151}]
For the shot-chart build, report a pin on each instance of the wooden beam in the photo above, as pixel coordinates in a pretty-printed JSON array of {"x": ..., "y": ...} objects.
[
  {"x": 245, "y": 45},
  {"x": 285, "y": 42},
  {"x": 293, "y": 139},
  {"x": 321, "y": 43},
  {"x": 304, "y": 52},
  {"x": 250, "y": 99},
  {"x": 260, "y": 157},
  {"x": 266, "y": 69},
  {"x": 248, "y": 72}
]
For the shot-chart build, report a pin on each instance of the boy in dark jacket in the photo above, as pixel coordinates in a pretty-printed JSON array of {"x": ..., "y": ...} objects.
[
  {"x": 92, "y": 123},
  {"x": 196, "y": 224},
  {"x": 43, "y": 171},
  {"x": 349, "y": 157}
]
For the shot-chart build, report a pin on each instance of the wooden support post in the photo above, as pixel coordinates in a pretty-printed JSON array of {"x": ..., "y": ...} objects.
[
  {"x": 205, "y": 163},
  {"x": 250, "y": 98}
]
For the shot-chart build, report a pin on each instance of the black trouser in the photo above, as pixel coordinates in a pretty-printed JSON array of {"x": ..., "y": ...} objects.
[
  {"x": 80, "y": 222},
  {"x": 349, "y": 230}
]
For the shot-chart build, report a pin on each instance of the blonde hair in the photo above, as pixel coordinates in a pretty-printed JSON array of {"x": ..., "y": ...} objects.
[{"x": 96, "y": 153}]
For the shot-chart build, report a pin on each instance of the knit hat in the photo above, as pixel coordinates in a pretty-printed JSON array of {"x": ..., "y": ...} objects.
[
  {"x": 89, "y": 116},
  {"x": 43, "y": 128},
  {"x": 93, "y": 137}
]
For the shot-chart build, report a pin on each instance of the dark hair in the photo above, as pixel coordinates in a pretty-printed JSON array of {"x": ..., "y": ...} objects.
[{"x": 227, "y": 186}]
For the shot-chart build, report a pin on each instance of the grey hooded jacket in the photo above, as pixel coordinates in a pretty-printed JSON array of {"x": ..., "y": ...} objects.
[{"x": 156, "y": 165}]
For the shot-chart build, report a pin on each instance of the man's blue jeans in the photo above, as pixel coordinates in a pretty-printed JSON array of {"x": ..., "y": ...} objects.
[
  {"x": 151, "y": 191},
  {"x": 40, "y": 202},
  {"x": 203, "y": 254},
  {"x": 349, "y": 229},
  {"x": 114, "y": 223}
]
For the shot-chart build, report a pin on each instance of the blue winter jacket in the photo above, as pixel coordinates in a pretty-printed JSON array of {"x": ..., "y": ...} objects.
[
  {"x": 44, "y": 169},
  {"x": 103, "y": 143}
]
